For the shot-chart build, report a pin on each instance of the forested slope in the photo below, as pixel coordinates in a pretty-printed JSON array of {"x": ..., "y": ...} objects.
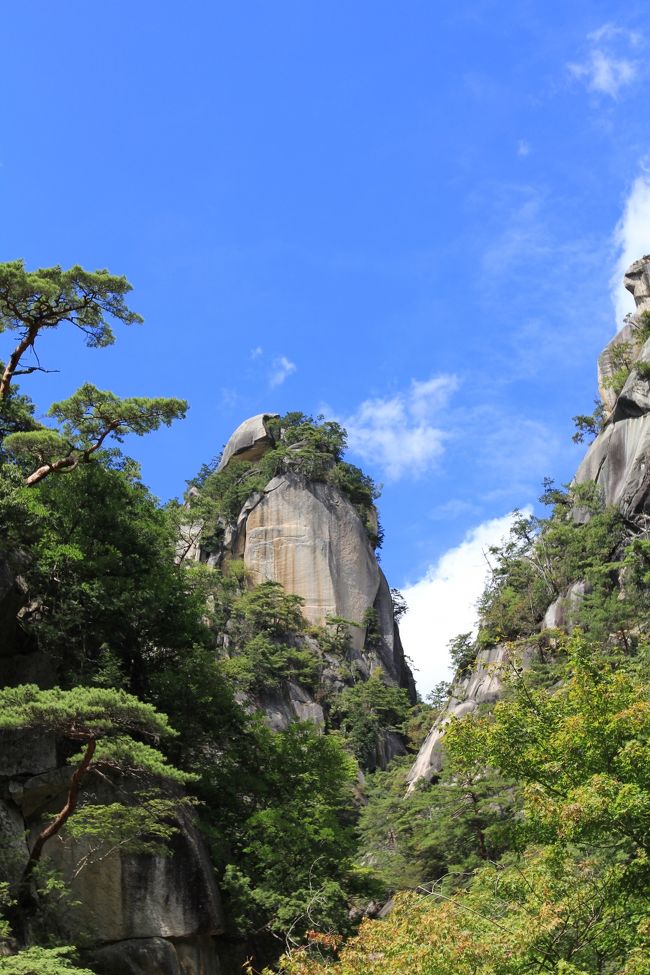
[{"x": 211, "y": 752}]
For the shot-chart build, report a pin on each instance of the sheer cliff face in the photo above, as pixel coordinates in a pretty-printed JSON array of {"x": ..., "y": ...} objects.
[
  {"x": 618, "y": 458},
  {"x": 618, "y": 461},
  {"x": 308, "y": 536}
]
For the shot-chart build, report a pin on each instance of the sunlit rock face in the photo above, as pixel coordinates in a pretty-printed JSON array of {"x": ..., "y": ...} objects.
[
  {"x": 482, "y": 684},
  {"x": 250, "y": 440},
  {"x": 308, "y": 536},
  {"x": 618, "y": 462}
]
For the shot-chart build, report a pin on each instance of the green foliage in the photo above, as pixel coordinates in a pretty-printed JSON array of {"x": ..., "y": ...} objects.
[
  {"x": 102, "y": 574},
  {"x": 541, "y": 557},
  {"x": 575, "y": 899},
  {"x": 462, "y": 652},
  {"x": 79, "y": 713},
  {"x": 43, "y": 961},
  {"x": 367, "y": 712},
  {"x": 641, "y": 325},
  {"x": 307, "y": 446},
  {"x": 642, "y": 369},
  {"x": 294, "y": 849},
  {"x": 444, "y": 828},
  {"x": 589, "y": 425},
  {"x": 265, "y": 640},
  {"x": 87, "y": 419},
  {"x": 144, "y": 827},
  {"x": 33, "y": 302}
]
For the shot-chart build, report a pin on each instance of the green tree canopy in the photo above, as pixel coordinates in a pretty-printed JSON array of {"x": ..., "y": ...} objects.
[{"x": 32, "y": 302}]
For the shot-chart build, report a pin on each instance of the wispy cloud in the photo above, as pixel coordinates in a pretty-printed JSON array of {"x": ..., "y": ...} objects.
[
  {"x": 632, "y": 240},
  {"x": 523, "y": 148},
  {"x": 257, "y": 352},
  {"x": 607, "y": 67},
  {"x": 443, "y": 603},
  {"x": 609, "y": 32},
  {"x": 398, "y": 434},
  {"x": 282, "y": 368}
]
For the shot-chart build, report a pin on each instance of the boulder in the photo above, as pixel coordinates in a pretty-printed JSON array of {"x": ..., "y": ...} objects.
[
  {"x": 250, "y": 440},
  {"x": 25, "y": 753},
  {"x": 156, "y": 956}
]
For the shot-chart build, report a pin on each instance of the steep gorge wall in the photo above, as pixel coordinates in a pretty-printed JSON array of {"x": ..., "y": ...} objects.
[
  {"x": 308, "y": 536},
  {"x": 154, "y": 915},
  {"x": 618, "y": 462}
]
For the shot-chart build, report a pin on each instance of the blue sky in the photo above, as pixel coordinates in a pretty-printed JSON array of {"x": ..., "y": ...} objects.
[{"x": 405, "y": 216}]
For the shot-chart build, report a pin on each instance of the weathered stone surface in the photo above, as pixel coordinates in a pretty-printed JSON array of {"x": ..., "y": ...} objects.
[
  {"x": 561, "y": 614},
  {"x": 607, "y": 368},
  {"x": 25, "y": 753},
  {"x": 34, "y": 795},
  {"x": 291, "y": 703},
  {"x": 390, "y": 655},
  {"x": 482, "y": 685},
  {"x": 13, "y": 596},
  {"x": 308, "y": 536},
  {"x": 157, "y": 956},
  {"x": 131, "y": 896},
  {"x": 149, "y": 956},
  {"x": 637, "y": 282},
  {"x": 618, "y": 461},
  {"x": 13, "y": 844},
  {"x": 634, "y": 399},
  {"x": 250, "y": 440}
]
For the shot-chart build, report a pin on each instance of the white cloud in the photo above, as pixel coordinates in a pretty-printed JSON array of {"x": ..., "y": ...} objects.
[
  {"x": 443, "y": 603},
  {"x": 523, "y": 148},
  {"x": 605, "y": 73},
  {"x": 610, "y": 31},
  {"x": 632, "y": 239},
  {"x": 607, "y": 68},
  {"x": 257, "y": 352},
  {"x": 282, "y": 368},
  {"x": 398, "y": 433}
]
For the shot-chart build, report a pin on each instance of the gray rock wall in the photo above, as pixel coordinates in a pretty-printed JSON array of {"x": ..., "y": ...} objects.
[{"x": 618, "y": 461}]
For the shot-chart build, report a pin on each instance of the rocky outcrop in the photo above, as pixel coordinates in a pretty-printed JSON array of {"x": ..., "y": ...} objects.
[
  {"x": 481, "y": 684},
  {"x": 309, "y": 537},
  {"x": 250, "y": 440},
  {"x": 618, "y": 462},
  {"x": 157, "y": 956},
  {"x": 124, "y": 901}
]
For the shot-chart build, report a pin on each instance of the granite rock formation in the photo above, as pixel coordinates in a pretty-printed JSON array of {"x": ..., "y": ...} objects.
[
  {"x": 308, "y": 536},
  {"x": 618, "y": 462}
]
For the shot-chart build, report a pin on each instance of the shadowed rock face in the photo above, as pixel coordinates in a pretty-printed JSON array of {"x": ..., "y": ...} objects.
[
  {"x": 157, "y": 956},
  {"x": 125, "y": 897}
]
